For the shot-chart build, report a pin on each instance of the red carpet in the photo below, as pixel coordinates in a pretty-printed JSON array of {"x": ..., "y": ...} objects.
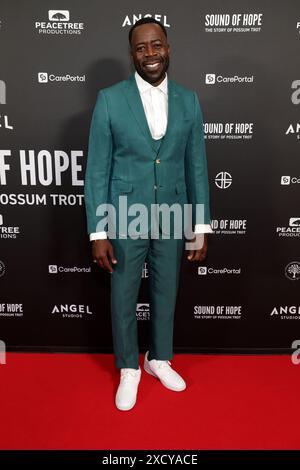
[{"x": 66, "y": 401}]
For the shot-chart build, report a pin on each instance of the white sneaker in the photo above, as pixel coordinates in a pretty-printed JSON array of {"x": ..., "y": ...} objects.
[
  {"x": 164, "y": 372},
  {"x": 128, "y": 387}
]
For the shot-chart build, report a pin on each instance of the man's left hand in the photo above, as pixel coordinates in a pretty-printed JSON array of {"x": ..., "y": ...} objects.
[{"x": 198, "y": 254}]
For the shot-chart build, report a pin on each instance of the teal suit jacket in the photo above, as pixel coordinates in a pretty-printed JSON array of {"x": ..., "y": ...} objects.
[{"x": 123, "y": 160}]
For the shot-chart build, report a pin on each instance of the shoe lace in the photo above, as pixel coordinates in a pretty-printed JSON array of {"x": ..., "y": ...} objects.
[
  {"x": 127, "y": 373},
  {"x": 163, "y": 364}
]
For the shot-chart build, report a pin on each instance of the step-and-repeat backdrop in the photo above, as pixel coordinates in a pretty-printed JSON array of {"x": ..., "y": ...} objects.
[{"x": 243, "y": 59}]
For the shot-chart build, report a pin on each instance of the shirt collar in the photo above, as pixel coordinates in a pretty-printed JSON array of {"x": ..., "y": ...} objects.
[{"x": 143, "y": 85}]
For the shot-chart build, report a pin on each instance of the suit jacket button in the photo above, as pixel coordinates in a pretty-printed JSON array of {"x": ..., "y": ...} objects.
[{"x": 157, "y": 160}]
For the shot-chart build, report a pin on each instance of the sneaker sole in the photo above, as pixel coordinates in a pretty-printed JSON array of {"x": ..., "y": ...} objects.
[{"x": 123, "y": 408}]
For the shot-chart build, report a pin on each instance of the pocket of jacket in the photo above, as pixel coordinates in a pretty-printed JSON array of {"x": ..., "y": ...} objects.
[
  {"x": 180, "y": 187},
  {"x": 120, "y": 186}
]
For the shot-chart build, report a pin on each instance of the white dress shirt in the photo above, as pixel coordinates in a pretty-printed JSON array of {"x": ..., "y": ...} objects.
[{"x": 155, "y": 103}]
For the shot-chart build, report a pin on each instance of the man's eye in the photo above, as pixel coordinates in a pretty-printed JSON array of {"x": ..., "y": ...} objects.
[
  {"x": 139, "y": 49},
  {"x": 157, "y": 46}
]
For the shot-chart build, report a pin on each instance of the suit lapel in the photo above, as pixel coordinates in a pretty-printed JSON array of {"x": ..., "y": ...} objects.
[{"x": 136, "y": 105}]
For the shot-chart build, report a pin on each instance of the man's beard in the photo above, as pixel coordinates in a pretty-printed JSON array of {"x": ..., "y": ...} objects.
[{"x": 154, "y": 78}]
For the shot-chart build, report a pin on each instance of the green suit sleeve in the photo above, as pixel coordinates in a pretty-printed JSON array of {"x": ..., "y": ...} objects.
[
  {"x": 196, "y": 169},
  {"x": 98, "y": 161}
]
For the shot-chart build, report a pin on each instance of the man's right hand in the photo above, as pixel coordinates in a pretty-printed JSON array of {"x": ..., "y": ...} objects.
[{"x": 103, "y": 254}]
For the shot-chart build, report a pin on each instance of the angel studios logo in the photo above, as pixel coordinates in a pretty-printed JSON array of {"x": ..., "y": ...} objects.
[
  {"x": 286, "y": 312},
  {"x": 71, "y": 311},
  {"x": 131, "y": 19}
]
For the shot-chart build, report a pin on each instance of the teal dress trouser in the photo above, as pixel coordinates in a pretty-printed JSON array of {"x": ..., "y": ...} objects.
[{"x": 164, "y": 261}]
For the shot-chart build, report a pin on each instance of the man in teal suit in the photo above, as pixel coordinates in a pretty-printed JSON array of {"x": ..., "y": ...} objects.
[{"x": 146, "y": 147}]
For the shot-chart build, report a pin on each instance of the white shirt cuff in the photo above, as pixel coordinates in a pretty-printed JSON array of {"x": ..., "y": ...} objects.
[
  {"x": 199, "y": 228},
  {"x": 98, "y": 236},
  {"x": 203, "y": 228}
]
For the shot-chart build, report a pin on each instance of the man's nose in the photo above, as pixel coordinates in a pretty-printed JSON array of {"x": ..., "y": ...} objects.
[{"x": 149, "y": 51}]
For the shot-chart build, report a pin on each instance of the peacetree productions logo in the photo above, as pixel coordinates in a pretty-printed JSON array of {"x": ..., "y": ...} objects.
[
  {"x": 58, "y": 22},
  {"x": 8, "y": 231},
  {"x": 143, "y": 311},
  {"x": 293, "y": 230},
  {"x": 59, "y": 15}
]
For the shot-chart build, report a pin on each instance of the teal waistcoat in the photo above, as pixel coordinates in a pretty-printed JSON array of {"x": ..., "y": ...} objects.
[{"x": 157, "y": 143}]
